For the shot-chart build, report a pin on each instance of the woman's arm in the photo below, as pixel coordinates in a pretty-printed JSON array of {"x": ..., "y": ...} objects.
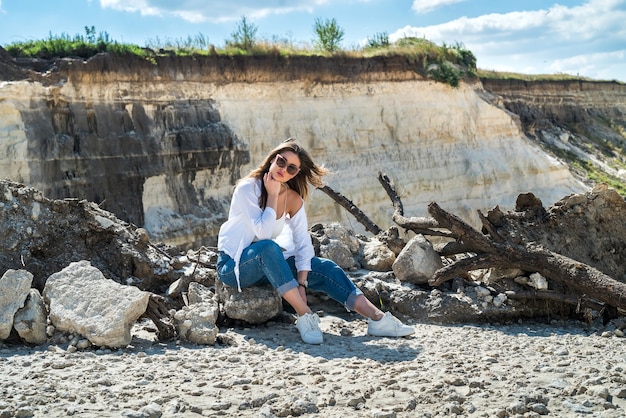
[
  {"x": 246, "y": 199},
  {"x": 298, "y": 223},
  {"x": 273, "y": 188}
]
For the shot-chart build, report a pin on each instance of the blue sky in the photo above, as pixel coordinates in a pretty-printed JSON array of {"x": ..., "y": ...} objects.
[{"x": 584, "y": 37}]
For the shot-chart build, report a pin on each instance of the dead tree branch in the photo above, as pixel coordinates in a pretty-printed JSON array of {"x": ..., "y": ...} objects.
[
  {"x": 419, "y": 225},
  {"x": 582, "y": 277},
  {"x": 352, "y": 208},
  {"x": 489, "y": 228},
  {"x": 547, "y": 295},
  {"x": 156, "y": 312},
  {"x": 494, "y": 250},
  {"x": 398, "y": 209}
]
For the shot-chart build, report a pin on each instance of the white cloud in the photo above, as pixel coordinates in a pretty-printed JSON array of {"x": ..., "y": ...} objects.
[
  {"x": 427, "y": 6},
  {"x": 593, "y": 19},
  {"x": 602, "y": 64},
  {"x": 132, "y": 6},
  {"x": 557, "y": 39},
  {"x": 216, "y": 11}
]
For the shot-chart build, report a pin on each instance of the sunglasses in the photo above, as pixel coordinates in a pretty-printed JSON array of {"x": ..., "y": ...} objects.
[{"x": 282, "y": 163}]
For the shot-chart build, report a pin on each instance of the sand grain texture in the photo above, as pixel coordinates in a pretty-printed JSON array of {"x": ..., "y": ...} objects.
[{"x": 521, "y": 370}]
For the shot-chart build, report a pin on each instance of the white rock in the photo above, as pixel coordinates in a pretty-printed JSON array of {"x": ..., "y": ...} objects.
[
  {"x": 84, "y": 302},
  {"x": 198, "y": 293},
  {"x": 599, "y": 391},
  {"x": 481, "y": 291},
  {"x": 14, "y": 289},
  {"x": 417, "y": 262},
  {"x": 499, "y": 299},
  {"x": 196, "y": 323},
  {"x": 538, "y": 281},
  {"x": 31, "y": 321},
  {"x": 339, "y": 252},
  {"x": 377, "y": 256},
  {"x": 254, "y": 304}
]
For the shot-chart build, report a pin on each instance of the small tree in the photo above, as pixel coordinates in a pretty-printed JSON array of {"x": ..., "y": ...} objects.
[
  {"x": 379, "y": 40},
  {"x": 91, "y": 34},
  {"x": 329, "y": 34},
  {"x": 244, "y": 36}
]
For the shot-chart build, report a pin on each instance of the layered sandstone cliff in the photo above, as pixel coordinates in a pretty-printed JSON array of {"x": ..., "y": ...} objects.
[
  {"x": 161, "y": 143},
  {"x": 584, "y": 119}
]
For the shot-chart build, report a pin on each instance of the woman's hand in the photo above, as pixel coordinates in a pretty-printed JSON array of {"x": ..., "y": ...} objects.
[{"x": 272, "y": 186}]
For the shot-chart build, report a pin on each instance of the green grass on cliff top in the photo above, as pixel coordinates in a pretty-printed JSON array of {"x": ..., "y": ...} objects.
[
  {"x": 86, "y": 46},
  {"x": 446, "y": 63},
  {"x": 502, "y": 75}
]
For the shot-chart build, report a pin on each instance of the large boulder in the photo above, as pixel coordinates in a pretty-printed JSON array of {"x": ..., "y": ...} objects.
[
  {"x": 82, "y": 301},
  {"x": 377, "y": 256},
  {"x": 337, "y": 243},
  {"x": 198, "y": 293},
  {"x": 196, "y": 322},
  {"x": 254, "y": 304},
  {"x": 417, "y": 262},
  {"x": 14, "y": 289},
  {"x": 31, "y": 321}
]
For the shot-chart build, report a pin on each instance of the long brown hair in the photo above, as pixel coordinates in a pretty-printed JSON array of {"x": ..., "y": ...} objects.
[{"x": 309, "y": 171}]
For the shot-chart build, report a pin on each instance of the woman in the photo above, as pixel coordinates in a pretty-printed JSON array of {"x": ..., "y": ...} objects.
[{"x": 266, "y": 239}]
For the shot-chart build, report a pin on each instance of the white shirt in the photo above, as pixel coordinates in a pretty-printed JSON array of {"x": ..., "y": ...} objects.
[{"x": 246, "y": 220}]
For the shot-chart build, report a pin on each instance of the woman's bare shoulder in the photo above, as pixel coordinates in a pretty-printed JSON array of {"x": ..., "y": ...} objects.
[{"x": 294, "y": 202}]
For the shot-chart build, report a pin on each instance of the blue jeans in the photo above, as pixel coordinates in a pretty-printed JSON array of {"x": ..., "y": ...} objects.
[{"x": 263, "y": 262}]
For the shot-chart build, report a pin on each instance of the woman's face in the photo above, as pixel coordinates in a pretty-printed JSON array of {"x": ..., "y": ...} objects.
[{"x": 285, "y": 166}]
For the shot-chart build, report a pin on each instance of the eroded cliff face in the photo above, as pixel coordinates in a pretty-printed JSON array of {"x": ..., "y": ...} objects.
[
  {"x": 161, "y": 144},
  {"x": 585, "y": 119},
  {"x": 436, "y": 143},
  {"x": 561, "y": 102}
]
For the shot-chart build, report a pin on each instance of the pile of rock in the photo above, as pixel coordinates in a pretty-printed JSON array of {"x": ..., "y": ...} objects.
[
  {"x": 78, "y": 300},
  {"x": 81, "y": 302},
  {"x": 22, "y": 308},
  {"x": 73, "y": 269}
]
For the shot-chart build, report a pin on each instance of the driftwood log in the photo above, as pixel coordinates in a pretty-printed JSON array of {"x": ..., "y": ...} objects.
[
  {"x": 157, "y": 311},
  {"x": 493, "y": 250},
  {"x": 352, "y": 208}
]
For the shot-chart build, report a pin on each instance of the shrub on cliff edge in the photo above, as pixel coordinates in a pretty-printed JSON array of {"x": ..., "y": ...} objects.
[
  {"x": 329, "y": 35},
  {"x": 244, "y": 36},
  {"x": 58, "y": 46},
  {"x": 443, "y": 63}
]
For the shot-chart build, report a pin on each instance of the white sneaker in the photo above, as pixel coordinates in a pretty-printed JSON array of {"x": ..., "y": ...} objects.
[
  {"x": 309, "y": 327},
  {"x": 388, "y": 326}
]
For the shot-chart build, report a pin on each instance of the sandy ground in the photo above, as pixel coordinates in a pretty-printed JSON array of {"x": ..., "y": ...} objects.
[{"x": 521, "y": 370}]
